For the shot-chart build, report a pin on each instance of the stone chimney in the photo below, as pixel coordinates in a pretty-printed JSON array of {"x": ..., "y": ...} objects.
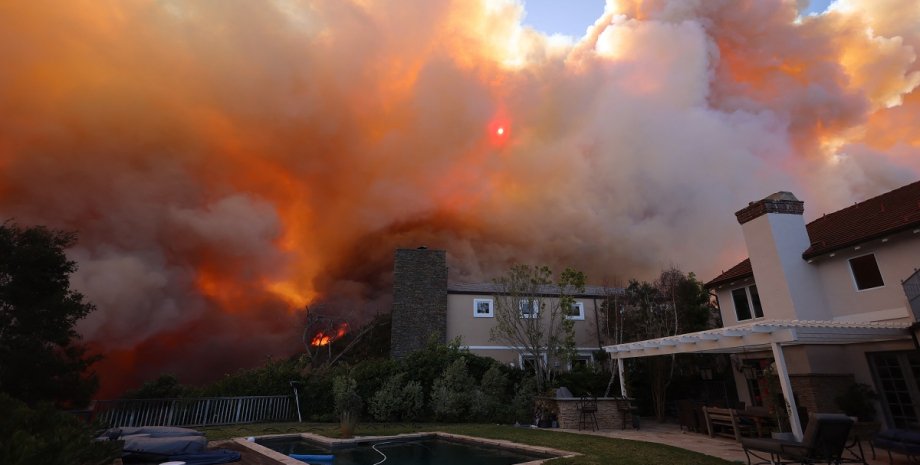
[
  {"x": 419, "y": 300},
  {"x": 775, "y": 234}
]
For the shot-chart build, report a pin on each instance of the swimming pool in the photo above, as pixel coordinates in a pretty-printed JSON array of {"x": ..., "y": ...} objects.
[{"x": 427, "y": 449}]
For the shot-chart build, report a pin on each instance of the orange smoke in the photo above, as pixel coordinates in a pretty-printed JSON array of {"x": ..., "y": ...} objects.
[{"x": 228, "y": 164}]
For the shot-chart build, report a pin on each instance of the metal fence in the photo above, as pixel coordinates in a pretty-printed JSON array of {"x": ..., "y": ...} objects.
[{"x": 194, "y": 412}]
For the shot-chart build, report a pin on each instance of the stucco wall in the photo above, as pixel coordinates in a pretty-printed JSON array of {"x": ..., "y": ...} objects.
[
  {"x": 476, "y": 332},
  {"x": 897, "y": 259}
]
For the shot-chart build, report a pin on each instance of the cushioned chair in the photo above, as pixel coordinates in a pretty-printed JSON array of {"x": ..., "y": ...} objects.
[
  {"x": 823, "y": 442},
  {"x": 897, "y": 440}
]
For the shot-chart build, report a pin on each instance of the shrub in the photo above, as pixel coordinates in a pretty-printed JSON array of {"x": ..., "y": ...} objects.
[
  {"x": 856, "y": 401},
  {"x": 522, "y": 403},
  {"x": 47, "y": 436},
  {"x": 490, "y": 399},
  {"x": 413, "y": 401},
  {"x": 451, "y": 392},
  {"x": 398, "y": 400},
  {"x": 345, "y": 395}
]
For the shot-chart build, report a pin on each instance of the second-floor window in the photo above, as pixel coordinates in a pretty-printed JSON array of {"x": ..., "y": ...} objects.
[
  {"x": 482, "y": 308},
  {"x": 530, "y": 308},
  {"x": 866, "y": 274},
  {"x": 747, "y": 303},
  {"x": 576, "y": 311}
]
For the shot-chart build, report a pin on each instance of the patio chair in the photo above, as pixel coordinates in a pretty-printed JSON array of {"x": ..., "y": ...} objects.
[
  {"x": 587, "y": 407},
  {"x": 823, "y": 442}
]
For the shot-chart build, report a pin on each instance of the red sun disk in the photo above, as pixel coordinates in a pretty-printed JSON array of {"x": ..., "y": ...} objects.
[{"x": 498, "y": 131}]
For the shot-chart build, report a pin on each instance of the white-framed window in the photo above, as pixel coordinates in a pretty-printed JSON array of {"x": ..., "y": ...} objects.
[
  {"x": 581, "y": 361},
  {"x": 530, "y": 308},
  {"x": 528, "y": 362},
  {"x": 483, "y": 308},
  {"x": 866, "y": 274},
  {"x": 576, "y": 311},
  {"x": 747, "y": 303}
]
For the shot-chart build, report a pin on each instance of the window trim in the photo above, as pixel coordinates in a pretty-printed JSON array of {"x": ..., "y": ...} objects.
[
  {"x": 535, "y": 306},
  {"x": 587, "y": 357},
  {"x": 853, "y": 275},
  {"x": 750, "y": 302},
  {"x": 477, "y": 302},
  {"x": 529, "y": 356},
  {"x": 581, "y": 312}
]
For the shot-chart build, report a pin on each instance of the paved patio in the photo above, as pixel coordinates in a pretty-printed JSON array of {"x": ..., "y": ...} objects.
[{"x": 724, "y": 448}]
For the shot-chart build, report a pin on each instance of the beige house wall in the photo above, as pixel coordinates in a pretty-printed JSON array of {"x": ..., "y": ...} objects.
[
  {"x": 897, "y": 259},
  {"x": 475, "y": 332}
]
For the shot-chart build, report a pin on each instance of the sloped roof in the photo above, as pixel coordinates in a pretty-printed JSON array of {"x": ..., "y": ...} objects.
[
  {"x": 739, "y": 271},
  {"x": 886, "y": 214},
  {"x": 492, "y": 288},
  {"x": 879, "y": 216}
]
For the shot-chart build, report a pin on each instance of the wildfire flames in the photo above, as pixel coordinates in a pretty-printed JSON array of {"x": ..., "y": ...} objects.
[
  {"x": 323, "y": 338},
  {"x": 228, "y": 163}
]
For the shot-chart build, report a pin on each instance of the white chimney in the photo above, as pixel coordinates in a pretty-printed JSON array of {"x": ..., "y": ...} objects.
[{"x": 775, "y": 234}]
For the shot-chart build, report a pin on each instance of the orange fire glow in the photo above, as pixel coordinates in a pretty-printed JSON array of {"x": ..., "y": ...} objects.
[
  {"x": 228, "y": 164},
  {"x": 325, "y": 338}
]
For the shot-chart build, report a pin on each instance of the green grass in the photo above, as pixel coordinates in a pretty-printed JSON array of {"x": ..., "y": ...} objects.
[{"x": 596, "y": 450}]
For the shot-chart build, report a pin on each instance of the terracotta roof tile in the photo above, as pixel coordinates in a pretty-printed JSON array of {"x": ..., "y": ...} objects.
[
  {"x": 879, "y": 216},
  {"x": 739, "y": 271}
]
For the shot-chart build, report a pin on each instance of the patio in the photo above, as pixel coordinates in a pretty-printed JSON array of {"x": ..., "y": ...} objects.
[{"x": 723, "y": 448}]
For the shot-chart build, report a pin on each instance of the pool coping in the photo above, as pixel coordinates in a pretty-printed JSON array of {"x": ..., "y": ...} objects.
[{"x": 333, "y": 443}]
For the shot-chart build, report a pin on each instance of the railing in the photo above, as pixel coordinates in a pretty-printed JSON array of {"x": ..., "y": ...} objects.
[
  {"x": 194, "y": 411},
  {"x": 912, "y": 290}
]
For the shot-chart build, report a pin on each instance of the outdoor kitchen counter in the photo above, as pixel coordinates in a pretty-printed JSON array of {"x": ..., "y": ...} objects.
[{"x": 612, "y": 413}]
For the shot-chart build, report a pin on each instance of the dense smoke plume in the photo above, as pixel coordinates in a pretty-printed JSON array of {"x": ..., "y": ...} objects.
[{"x": 228, "y": 162}]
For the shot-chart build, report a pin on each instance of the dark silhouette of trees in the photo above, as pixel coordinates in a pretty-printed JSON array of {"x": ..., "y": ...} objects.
[{"x": 41, "y": 358}]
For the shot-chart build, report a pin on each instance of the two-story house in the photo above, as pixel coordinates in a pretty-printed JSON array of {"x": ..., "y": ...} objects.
[
  {"x": 822, "y": 304},
  {"x": 426, "y": 305}
]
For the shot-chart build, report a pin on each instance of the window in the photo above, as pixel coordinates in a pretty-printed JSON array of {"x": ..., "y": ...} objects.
[
  {"x": 576, "y": 311},
  {"x": 581, "y": 361},
  {"x": 529, "y": 362},
  {"x": 747, "y": 299},
  {"x": 483, "y": 308},
  {"x": 530, "y": 308},
  {"x": 865, "y": 272}
]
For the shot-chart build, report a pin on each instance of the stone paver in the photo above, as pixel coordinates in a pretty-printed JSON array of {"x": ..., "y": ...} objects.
[{"x": 724, "y": 448}]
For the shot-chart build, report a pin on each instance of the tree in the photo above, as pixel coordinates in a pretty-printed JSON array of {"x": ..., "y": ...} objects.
[
  {"x": 674, "y": 304},
  {"x": 40, "y": 354},
  {"x": 530, "y": 314}
]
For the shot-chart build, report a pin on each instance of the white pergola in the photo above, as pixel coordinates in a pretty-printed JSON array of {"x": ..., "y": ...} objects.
[{"x": 760, "y": 336}]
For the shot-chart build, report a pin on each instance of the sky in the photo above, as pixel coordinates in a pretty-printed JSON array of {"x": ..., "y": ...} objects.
[
  {"x": 572, "y": 18},
  {"x": 228, "y": 164}
]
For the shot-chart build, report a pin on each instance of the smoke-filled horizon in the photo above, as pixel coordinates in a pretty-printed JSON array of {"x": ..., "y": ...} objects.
[{"x": 227, "y": 163}]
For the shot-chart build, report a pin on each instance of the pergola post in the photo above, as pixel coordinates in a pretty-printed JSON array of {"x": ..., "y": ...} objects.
[
  {"x": 622, "y": 379},
  {"x": 784, "y": 382}
]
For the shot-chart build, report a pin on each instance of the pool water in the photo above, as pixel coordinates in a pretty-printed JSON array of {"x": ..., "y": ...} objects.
[{"x": 405, "y": 452}]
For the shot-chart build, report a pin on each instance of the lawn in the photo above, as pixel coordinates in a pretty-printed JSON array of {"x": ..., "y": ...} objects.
[{"x": 595, "y": 449}]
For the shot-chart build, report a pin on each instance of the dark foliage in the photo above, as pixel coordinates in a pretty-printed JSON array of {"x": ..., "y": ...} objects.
[
  {"x": 40, "y": 357},
  {"x": 47, "y": 436}
]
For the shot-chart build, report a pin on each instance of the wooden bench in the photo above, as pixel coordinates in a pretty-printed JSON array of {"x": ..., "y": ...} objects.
[{"x": 724, "y": 421}]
